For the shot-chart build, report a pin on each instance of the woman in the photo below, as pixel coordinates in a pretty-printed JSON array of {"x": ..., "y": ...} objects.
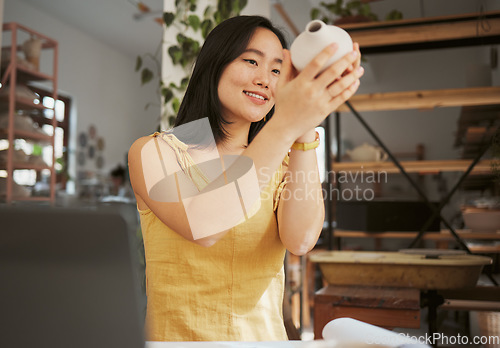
[{"x": 229, "y": 284}]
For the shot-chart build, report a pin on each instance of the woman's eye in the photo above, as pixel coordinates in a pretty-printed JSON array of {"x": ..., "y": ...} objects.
[
  {"x": 276, "y": 71},
  {"x": 251, "y": 61}
]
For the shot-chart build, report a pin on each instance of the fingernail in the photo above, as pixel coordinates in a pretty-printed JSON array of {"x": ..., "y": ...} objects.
[
  {"x": 333, "y": 46},
  {"x": 354, "y": 54},
  {"x": 361, "y": 70}
]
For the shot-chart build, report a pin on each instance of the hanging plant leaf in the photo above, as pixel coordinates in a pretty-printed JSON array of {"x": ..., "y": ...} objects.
[
  {"x": 167, "y": 94},
  {"x": 175, "y": 54},
  {"x": 171, "y": 121},
  {"x": 138, "y": 63},
  {"x": 224, "y": 8},
  {"x": 218, "y": 17},
  {"x": 176, "y": 104},
  {"x": 206, "y": 27},
  {"x": 208, "y": 12},
  {"x": 194, "y": 22},
  {"x": 192, "y": 5},
  {"x": 146, "y": 75},
  {"x": 168, "y": 18},
  {"x": 242, "y": 5},
  {"x": 181, "y": 38},
  {"x": 236, "y": 6},
  {"x": 315, "y": 13},
  {"x": 184, "y": 82}
]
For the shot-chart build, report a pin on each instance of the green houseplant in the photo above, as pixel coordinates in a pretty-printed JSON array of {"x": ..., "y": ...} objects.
[{"x": 353, "y": 11}]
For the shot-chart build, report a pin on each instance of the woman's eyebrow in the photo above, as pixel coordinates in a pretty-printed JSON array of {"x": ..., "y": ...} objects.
[{"x": 260, "y": 53}]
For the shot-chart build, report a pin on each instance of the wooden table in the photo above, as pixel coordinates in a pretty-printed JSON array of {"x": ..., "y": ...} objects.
[{"x": 380, "y": 306}]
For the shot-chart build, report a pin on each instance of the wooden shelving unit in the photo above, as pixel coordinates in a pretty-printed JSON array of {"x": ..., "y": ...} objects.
[
  {"x": 423, "y": 34},
  {"x": 14, "y": 74}
]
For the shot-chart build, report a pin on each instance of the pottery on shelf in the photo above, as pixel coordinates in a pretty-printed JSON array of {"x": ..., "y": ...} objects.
[
  {"x": 316, "y": 36},
  {"x": 367, "y": 153},
  {"x": 32, "y": 49}
]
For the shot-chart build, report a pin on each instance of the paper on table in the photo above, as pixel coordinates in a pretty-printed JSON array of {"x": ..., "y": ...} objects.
[{"x": 351, "y": 333}]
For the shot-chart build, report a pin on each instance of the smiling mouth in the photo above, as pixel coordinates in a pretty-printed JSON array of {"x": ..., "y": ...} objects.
[{"x": 250, "y": 94}]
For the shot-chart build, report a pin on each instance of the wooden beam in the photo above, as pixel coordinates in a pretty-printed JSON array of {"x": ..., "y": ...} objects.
[
  {"x": 422, "y": 167},
  {"x": 424, "y": 99},
  {"x": 434, "y": 32},
  {"x": 279, "y": 7}
]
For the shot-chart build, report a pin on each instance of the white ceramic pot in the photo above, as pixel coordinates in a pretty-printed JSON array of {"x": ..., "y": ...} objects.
[
  {"x": 315, "y": 38},
  {"x": 367, "y": 153}
]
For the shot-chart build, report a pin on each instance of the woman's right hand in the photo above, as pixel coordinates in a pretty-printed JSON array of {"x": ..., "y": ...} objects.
[{"x": 305, "y": 99}]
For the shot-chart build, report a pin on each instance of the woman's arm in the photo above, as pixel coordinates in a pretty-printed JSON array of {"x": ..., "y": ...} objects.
[{"x": 301, "y": 207}]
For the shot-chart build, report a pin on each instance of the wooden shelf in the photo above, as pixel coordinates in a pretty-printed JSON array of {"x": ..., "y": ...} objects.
[
  {"x": 47, "y": 41},
  {"x": 33, "y": 198},
  {"x": 425, "y": 33},
  {"x": 421, "y": 167},
  {"x": 444, "y": 235},
  {"x": 22, "y": 134},
  {"x": 424, "y": 99},
  {"x": 23, "y": 103},
  {"x": 27, "y": 166},
  {"x": 23, "y": 74}
]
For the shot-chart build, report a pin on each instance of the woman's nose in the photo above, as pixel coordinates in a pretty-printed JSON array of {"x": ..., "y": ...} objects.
[{"x": 262, "y": 79}]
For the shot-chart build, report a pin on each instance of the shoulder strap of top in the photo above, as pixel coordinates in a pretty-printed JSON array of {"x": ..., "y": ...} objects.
[{"x": 184, "y": 159}]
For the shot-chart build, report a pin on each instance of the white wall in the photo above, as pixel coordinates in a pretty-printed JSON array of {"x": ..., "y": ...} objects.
[{"x": 102, "y": 83}]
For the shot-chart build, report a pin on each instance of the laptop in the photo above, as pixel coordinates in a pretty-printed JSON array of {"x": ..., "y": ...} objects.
[{"x": 68, "y": 278}]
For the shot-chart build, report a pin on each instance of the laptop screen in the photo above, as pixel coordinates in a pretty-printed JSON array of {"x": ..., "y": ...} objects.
[{"x": 67, "y": 279}]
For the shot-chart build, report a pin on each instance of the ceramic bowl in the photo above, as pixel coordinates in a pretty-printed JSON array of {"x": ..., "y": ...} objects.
[{"x": 482, "y": 219}]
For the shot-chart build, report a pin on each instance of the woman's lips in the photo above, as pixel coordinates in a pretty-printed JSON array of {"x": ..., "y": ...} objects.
[{"x": 257, "y": 98}]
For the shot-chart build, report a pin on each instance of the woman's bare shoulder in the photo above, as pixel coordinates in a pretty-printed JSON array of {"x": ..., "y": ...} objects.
[{"x": 138, "y": 145}]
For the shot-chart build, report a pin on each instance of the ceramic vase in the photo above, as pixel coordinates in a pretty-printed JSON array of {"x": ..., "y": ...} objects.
[
  {"x": 316, "y": 36},
  {"x": 32, "y": 49}
]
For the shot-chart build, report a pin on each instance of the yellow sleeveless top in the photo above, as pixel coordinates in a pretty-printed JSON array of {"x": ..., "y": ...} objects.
[{"x": 231, "y": 291}]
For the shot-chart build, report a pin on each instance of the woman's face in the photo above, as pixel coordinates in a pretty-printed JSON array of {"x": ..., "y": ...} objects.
[{"x": 247, "y": 85}]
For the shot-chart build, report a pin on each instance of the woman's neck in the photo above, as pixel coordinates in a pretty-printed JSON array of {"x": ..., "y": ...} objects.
[{"x": 237, "y": 139}]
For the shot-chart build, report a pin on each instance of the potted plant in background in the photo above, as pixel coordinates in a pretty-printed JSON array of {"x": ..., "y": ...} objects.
[{"x": 354, "y": 11}]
